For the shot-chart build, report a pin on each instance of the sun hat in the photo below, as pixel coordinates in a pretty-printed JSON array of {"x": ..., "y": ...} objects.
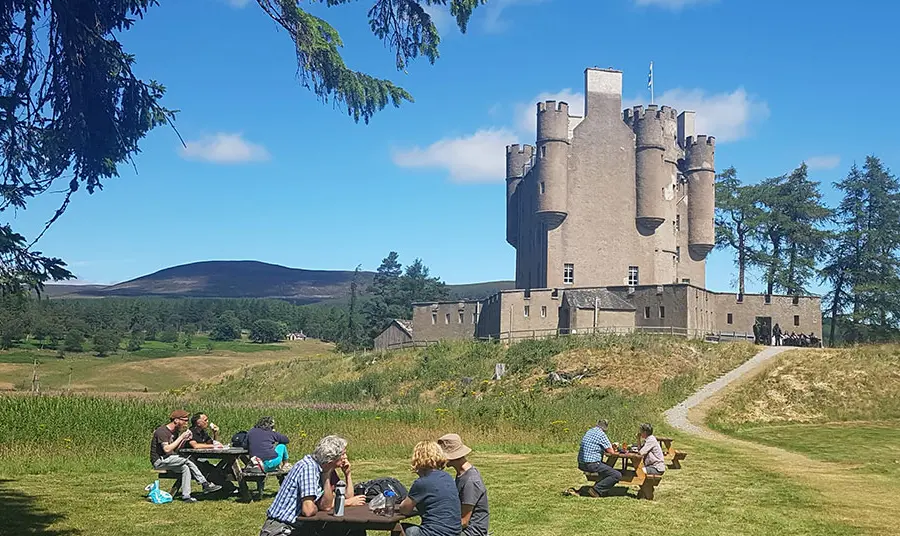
[
  {"x": 179, "y": 414},
  {"x": 453, "y": 446}
]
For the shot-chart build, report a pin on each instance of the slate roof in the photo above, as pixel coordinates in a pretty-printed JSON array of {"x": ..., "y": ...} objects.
[{"x": 586, "y": 298}]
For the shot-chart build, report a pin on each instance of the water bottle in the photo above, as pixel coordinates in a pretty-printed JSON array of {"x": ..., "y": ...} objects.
[
  {"x": 339, "y": 495},
  {"x": 390, "y": 502}
]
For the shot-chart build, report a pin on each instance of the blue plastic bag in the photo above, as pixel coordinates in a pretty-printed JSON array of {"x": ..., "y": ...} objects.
[{"x": 156, "y": 495}]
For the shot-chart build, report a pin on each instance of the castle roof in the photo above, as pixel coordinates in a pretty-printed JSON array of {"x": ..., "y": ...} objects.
[{"x": 599, "y": 297}]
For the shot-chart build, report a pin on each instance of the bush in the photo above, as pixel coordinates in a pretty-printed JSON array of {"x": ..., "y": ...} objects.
[
  {"x": 74, "y": 341},
  {"x": 136, "y": 341},
  {"x": 106, "y": 341},
  {"x": 227, "y": 328},
  {"x": 168, "y": 336}
]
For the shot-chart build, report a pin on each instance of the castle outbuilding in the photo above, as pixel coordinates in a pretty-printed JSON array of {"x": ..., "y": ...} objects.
[{"x": 612, "y": 216}]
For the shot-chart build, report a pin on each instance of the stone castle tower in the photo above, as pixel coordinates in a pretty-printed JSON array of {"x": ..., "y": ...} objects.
[{"x": 611, "y": 198}]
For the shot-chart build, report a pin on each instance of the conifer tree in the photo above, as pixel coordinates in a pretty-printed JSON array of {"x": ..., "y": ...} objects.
[{"x": 737, "y": 221}]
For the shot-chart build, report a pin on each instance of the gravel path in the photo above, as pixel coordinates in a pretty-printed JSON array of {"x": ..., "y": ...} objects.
[{"x": 677, "y": 417}]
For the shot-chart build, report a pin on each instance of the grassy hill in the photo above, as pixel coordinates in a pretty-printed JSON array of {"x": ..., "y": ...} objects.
[{"x": 249, "y": 279}]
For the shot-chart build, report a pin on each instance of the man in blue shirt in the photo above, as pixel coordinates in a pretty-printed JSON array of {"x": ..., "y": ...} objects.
[
  {"x": 308, "y": 488},
  {"x": 590, "y": 459}
]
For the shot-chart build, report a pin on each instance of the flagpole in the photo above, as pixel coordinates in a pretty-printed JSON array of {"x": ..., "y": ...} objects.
[{"x": 650, "y": 82}]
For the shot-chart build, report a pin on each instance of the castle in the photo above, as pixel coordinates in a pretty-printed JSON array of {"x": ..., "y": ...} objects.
[{"x": 612, "y": 218}]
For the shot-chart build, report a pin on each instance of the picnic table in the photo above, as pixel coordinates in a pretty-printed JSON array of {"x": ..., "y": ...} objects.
[
  {"x": 633, "y": 473},
  {"x": 227, "y": 469},
  {"x": 671, "y": 455},
  {"x": 359, "y": 517}
]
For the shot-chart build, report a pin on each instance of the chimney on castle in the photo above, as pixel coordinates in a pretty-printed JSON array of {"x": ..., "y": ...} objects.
[{"x": 603, "y": 93}]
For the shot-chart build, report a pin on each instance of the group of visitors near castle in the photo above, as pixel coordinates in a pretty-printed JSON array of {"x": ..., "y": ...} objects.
[{"x": 447, "y": 507}]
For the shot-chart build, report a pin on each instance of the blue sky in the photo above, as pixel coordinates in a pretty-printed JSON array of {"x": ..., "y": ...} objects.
[{"x": 272, "y": 174}]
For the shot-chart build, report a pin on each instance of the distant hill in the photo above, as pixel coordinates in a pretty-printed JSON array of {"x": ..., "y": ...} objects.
[{"x": 248, "y": 279}]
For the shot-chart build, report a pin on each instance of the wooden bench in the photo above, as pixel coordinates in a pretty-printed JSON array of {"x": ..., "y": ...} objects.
[
  {"x": 646, "y": 483},
  {"x": 246, "y": 476},
  {"x": 672, "y": 457}
]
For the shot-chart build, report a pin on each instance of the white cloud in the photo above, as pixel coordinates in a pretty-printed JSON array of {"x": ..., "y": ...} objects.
[
  {"x": 224, "y": 148},
  {"x": 440, "y": 16},
  {"x": 526, "y": 112},
  {"x": 670, "y": 4},
  {"x": 494, "y": 10},
  {"x": 475, "y": 158},
  {"x": 826, "y": 161},
  {"x": 727, "y": 116}
]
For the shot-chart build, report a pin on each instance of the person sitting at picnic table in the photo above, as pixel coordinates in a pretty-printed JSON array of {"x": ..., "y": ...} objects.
[
  {"x": 472, "y": 493},
  {"x": 163, "y": 445},
  {"x": 200, "y": 437},
  {"x": 308, "y": 489},
  {"x": 594, "y": 444},
  {"x": 268, "y": 446},
  {"x": 654, "y": 459},
  {"x": 433, "y": 495}
]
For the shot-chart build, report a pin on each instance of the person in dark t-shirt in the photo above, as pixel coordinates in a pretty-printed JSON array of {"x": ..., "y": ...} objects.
[
  {"x": 268, "y": 446},
  {"x": 472, "y": 493},
  {"x": 163, "y": 446},
  {"x": 433, "y": 494},
  {"x": 200, "y": 433}
]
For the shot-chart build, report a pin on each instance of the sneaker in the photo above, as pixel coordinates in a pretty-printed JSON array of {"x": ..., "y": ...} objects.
[
  {"x": 209, "y": 487},
  {"x": 188, "y": 499},
  {"x": 594, "y": 493}
]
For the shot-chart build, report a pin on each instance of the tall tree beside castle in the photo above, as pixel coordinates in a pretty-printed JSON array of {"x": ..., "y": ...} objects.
[
  {"x": 863, "y": 267},
  {"x": 72, "y": 109},
  {"x": 793, "y": 237},
  {"x": 737, "y": 221}
]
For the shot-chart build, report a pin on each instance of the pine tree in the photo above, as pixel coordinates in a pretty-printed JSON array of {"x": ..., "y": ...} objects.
[{"x": 737, "y": 221}]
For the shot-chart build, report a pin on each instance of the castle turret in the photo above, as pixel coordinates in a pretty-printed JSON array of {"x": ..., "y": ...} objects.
[
  {"x": 652, "y": 172},
  {"x": 551, "y": 163},
  {"x": 518, "y": 157},
  {"x": 700, "y": 170}
]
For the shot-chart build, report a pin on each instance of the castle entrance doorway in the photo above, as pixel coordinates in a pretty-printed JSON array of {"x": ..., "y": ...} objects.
[{"x": 763, "y": 330}]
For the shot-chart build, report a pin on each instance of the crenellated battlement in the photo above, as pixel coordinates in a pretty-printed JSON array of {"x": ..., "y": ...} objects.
[
  {"x": 520, "y": 149},
  {"x": 701, "y": 139},
  {"x": 639, "y": 113},
  {"x": 553, "y": 106}
]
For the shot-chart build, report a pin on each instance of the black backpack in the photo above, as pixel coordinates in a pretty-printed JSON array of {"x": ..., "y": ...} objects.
[
  {"x": 377, "y": 486},
  {"x": 240, "y": 440}
]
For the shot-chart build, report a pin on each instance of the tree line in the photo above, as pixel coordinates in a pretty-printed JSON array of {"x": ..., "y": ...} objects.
[
  {"x": 782, "y": 229},
  {"x": 67, "y": 324}
]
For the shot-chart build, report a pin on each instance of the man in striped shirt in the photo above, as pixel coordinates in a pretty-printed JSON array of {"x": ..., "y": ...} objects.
[
  {"x": 590, "y": 459},
  {"x": 308, "y": 488}
]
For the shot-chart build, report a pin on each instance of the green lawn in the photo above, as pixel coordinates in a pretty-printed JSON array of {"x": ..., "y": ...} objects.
[
  {"x": 871, "y": 447},
  {"x": 718, "y": 492}
]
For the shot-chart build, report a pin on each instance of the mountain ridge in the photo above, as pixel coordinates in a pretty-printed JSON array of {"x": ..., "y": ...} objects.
[{"x": 248, "y": 279}]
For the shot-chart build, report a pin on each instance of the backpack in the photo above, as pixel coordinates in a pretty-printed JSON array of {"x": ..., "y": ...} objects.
[
  {"x": 240, "y": 440},
  {"x": 377, "y": 486}
]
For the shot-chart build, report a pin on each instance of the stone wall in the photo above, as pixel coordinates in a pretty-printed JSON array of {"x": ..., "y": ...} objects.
[{"x": 445, "y": 320}]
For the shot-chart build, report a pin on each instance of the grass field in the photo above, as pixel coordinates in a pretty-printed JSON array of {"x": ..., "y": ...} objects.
[
  {"x": 154, "y": 368},
  {"x": 62, "y": 456}
]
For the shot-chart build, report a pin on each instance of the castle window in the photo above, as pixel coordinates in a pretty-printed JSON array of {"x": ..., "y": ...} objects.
[
  {"x": 633, "y": 278},
  {"x": 543, "y": 188},
  {"x": 543, "y": 151},
  {"x": 475, "y": 317},
  {"x": 796, "y": 300},
  {"x": 796, "y": 320},
  {"x": 662, "y": 311},
  {"x": 768, "y": 298},
  {"x": 568, "y": 274},
  {"x": 730, "y": 318},
  {"x": 647, "y": 312},
  {"x": 686, "y": 281},
  {"x": 527, "y": 310},
  {"x": 461, "y": 314},
  {"x": 447, "y": 318},
  {"x": 677, "y": 222},
  {"x": 740, "y": 298},
  {"x": 543, "y": 311},
  {"x": 677, "y": 253},
  {"x": 434, "y": 318}
]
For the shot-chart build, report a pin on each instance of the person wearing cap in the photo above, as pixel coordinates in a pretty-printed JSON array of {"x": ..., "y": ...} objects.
[
  {"x": 590, "y": 459},
  {"x": 163, "y": 446},
  {"x": 472, "y": 493}
]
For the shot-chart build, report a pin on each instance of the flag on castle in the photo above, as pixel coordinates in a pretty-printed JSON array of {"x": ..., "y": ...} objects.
[{"x": 650, "y": 82}]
